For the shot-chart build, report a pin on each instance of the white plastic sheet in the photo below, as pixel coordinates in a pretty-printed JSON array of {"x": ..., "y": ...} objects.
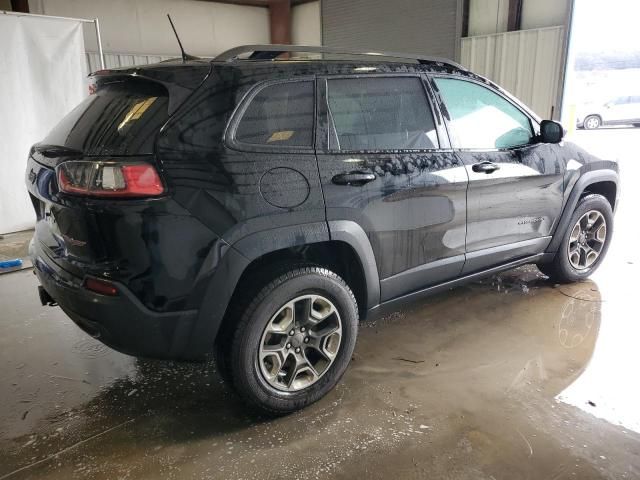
[{"x": 42, "y": 77}]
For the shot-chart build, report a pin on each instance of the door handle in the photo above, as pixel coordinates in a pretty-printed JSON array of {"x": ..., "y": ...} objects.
[
  {"x": 353, "y": 178},
  {"x": 485, "y": 167}
]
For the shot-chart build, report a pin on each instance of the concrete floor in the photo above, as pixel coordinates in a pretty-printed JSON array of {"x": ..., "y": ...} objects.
[{"x": 509, "y": 378}]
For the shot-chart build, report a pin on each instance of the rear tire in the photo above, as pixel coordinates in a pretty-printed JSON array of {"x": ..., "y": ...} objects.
[
  {"x": 584, "y": 245},
  {"x": 592, "y": 122},
  {"x": 277, "y": 371}
]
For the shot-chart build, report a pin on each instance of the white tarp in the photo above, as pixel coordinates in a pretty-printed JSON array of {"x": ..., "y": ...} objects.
[{"x": 42, "y": 77}]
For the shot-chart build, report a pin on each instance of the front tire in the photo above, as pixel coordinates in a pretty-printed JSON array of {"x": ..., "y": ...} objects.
[
  {"x": 294, "y": 340},
  {"x": 592, "y": 122},
  {"x": 585, "y": 242}
]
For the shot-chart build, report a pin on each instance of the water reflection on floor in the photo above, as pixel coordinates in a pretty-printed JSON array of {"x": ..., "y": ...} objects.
[
  {"x": 608, "y": 388},
  {"x": 464, "y": 382}
]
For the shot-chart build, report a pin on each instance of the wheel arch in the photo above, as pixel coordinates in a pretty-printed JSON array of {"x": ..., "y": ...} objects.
[
  {"x": 346, "y": 251},
  {"x": 607, "y": 188},
  {"x": 603, "y": 182}
]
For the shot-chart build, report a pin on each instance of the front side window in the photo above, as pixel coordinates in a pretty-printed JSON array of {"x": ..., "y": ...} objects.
[
  {"x": 380, "y": 113},
  {"x": 280, "y": 115},
  {"x": 482, "y": 119}
]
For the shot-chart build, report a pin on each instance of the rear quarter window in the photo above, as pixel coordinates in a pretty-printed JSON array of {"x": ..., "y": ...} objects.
[
  {"x": 280, "y": 114},
  {"x": 122, "y": 118}
]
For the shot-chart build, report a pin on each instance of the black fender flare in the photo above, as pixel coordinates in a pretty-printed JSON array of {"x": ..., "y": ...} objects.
[
  {"x": 237, "y": 257},
  {"x": 261, "y": 243},
  {"x": 215, "y": 300},
  {"x": 586, "y": 179},
  {"x": 230, "y": 266},
  {"x": 351, "y": 233}
]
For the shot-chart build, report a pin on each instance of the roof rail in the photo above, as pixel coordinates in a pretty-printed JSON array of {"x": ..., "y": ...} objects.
[{"x": 270, "y": 52}]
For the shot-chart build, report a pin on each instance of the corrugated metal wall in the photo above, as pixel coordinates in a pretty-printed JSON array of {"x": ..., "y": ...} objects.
[
  {"x": 528, "y": 63},
  {"x": 114, "y": 60},
  {"x": 412, "y": 26}
]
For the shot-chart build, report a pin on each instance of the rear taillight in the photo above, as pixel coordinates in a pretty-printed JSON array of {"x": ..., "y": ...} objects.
[{"x": 109, "y": 179}]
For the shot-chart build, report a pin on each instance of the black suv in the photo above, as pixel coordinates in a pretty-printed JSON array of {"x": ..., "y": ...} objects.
[{"x": 258, "y": 206}]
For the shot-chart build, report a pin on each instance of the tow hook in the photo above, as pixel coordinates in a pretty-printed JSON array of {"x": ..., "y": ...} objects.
[{"x": 45, "y": 298}]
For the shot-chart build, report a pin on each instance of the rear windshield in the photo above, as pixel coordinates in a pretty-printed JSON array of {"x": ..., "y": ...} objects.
[{"x": 121, "y": 118}]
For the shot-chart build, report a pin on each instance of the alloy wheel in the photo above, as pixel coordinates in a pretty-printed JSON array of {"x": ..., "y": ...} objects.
[
  {"x": 587, "y": 240},
  {"x": 300, "y": 343},
  {"x": 593, "y": 122}
]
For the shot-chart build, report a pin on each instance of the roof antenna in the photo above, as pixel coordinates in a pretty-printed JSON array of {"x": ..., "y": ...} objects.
[{"x": 185, "y": 57}]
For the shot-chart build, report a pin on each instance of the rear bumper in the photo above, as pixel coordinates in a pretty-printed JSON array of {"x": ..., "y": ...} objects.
[{"x": 122, "y": 322}]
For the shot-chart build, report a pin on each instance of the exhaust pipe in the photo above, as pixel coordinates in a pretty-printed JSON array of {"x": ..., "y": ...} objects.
[{"x": 45, "y": 298}]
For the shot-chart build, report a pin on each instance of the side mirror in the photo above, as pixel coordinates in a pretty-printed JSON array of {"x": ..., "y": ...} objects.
[{"x": 551, "y": 132}]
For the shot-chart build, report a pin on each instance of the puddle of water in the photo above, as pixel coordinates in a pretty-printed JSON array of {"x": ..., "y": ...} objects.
[{"x": 90, "y": 348}]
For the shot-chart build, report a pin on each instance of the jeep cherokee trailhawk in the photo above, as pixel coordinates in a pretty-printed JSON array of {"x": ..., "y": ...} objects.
[{"x": 258, "y": 204}]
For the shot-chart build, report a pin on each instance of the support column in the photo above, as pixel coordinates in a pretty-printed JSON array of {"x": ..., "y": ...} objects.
[
  {"x": 21, "y": 6},
  {"x": 465, "y": 18},
  {"x": 515, "y": 15},
  {"x": 280, "y": 21}
]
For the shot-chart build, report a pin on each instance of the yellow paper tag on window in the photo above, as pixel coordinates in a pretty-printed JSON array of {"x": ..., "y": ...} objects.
[
  {"x": 280, "y": 136},
  {"x": 136, "y": 111}
]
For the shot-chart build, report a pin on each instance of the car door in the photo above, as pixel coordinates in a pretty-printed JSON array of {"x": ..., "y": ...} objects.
[
  {"x": 617, "y": 111},
  {"x": 629, "y": 111},
  {"x": 515, "y": 183},
  {"x": 385, "y": 164},
  {"x": 634, "y": 107}
]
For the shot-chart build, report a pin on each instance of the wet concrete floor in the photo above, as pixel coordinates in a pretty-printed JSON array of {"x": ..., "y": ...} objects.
[{"x": 508, "y": 378}]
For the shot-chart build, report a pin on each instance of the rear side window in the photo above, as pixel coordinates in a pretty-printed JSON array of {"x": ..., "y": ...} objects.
[
  {"x": 380, "y": 113},
  {"x": 280, "y": 115},
  {"x": 482, "y": 119},
  {"x": 121, "y": 118}
]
